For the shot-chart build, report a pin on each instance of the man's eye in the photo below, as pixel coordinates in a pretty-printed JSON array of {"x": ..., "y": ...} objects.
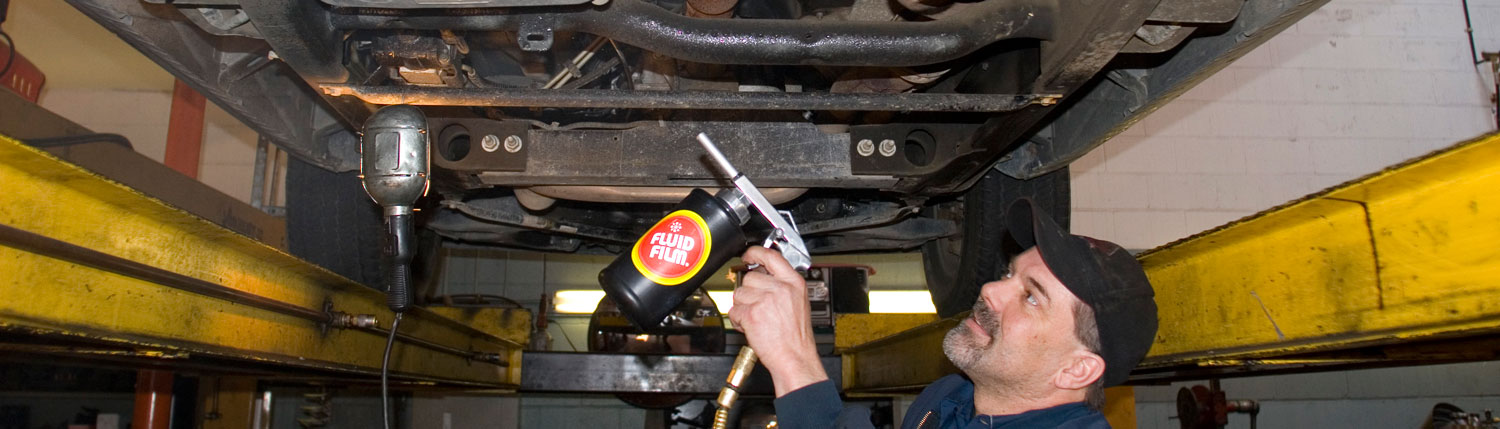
[
  {"x": 1008, "y": 274},
  {"x": 1031, "y": 298}
]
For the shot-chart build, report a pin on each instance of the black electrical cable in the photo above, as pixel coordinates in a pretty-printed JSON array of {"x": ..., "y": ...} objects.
[
  {"x": 385, "y": 370},
  {"x": 10, "y": 58},
  {"x": 1469, "y": 28},
  {"x": 474, "y": 300},
  {"x": 47, "y": 142}
]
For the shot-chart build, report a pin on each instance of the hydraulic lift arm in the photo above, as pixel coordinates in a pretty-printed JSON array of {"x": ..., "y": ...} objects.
[{"x": 103, "y": 271}]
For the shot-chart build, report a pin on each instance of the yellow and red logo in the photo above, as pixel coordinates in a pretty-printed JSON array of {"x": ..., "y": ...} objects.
[{"x": 672, "y": 251}]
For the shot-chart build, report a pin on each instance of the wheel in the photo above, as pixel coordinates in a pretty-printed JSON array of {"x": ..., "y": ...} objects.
[
  {"x": 332, "y": 223},
  {"x": 958, "y": 265}
]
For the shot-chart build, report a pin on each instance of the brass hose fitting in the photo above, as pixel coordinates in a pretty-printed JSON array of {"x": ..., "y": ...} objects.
[{"x": 743, "y": 364}]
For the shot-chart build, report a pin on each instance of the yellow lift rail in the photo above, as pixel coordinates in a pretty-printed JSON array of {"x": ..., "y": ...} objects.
[
  {"x": 1405, "y": 255},
  {"x": 1398, "y": 267},
  {"x": 95, "y": 269}
]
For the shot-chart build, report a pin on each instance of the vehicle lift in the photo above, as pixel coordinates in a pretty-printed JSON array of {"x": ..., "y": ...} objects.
[{"x": 1395, "y": 268}]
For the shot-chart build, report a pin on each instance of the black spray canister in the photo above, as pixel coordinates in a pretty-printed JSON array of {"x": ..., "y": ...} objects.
[{"x": 675, "y": 256}]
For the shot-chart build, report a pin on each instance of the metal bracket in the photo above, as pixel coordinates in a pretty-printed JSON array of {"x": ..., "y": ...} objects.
[
  {"x": 904, "y": 149},
  {"x": 535, "y": 35},
  {"x": 475, "y": 144}
]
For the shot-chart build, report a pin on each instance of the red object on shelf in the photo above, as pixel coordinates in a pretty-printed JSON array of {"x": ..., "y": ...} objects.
[{"x": 23, "y": 77}]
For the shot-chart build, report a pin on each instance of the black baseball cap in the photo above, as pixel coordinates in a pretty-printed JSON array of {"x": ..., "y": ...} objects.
[{"x": 1102, "y": 275}]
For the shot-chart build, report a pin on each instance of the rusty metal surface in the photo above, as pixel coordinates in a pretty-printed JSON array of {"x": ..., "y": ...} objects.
[
  {"x": 761, "y": 41},
  {"x": 686, "y": 100},
  {"x": 784, "y": 154},
  {"x": 1196, "y": 11}
]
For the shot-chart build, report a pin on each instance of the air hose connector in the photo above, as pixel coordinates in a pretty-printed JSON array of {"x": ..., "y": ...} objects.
[{"x": 743, "y": 364}]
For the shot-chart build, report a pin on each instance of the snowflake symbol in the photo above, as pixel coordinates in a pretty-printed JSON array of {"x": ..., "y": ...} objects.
[{"x": 676, "y": 226}]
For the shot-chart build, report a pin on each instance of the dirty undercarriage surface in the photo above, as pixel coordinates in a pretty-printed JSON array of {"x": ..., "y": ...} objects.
[{"x": 566, "y": 125}]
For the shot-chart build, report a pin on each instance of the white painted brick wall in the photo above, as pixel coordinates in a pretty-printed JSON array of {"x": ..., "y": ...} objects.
[
  {"x": 228, "y": 160},
  {"x": 228, "y": 156},
  {"x": 1356, "y": 86},
  {"x": 140, "y": 116},
  {"x": 1484, "y": 14}
]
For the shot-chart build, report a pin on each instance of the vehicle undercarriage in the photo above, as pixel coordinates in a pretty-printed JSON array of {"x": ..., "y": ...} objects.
[{"x": 565, "y": 125}]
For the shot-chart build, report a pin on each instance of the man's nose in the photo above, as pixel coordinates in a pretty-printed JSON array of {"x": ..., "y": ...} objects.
[{"x": 995, "y": 293}]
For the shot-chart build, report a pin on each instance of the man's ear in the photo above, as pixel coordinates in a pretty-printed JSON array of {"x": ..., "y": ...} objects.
[{"x": 1082, "y": 369}]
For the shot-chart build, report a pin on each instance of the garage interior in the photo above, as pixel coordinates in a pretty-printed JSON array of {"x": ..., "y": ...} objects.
[{"x": 1318, "y": 218}]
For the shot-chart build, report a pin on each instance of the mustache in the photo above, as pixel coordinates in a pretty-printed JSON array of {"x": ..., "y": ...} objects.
[{"x": 984, "y": 317}]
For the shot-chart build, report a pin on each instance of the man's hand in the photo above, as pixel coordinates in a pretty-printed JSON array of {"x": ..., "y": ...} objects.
[{"x": 771, "y": 308}]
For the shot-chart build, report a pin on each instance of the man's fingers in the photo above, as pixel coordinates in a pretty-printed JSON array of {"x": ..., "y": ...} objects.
[
  {"x": 744, "y": 303},
  {"x": 756, "y": 255},
  {"x": 735, "y": 313},
  {"x": 773, "y": 262},
  {"x": 757, "y": 279},
  {"x": 748, "y": 293}
]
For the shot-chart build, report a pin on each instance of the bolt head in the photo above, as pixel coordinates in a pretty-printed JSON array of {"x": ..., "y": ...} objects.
[
  {"x": 512, "y": 143},
  {"x": 887, "y": 147},
  {"x": 865, "y": 147},
  {"x": 490, "y": 143}
]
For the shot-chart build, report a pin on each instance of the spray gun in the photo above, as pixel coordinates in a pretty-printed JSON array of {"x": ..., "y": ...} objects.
[
  {"x": 393, "y": 165},
  {"x": 785, "y": 237},
  {"x": 687, "y": 246}
]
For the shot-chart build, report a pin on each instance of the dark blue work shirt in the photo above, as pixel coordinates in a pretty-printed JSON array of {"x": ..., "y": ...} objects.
[{"x": 945, "y": 404}]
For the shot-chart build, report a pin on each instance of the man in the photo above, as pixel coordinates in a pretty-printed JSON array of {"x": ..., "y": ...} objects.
[{"x": 1071, "y": 316}]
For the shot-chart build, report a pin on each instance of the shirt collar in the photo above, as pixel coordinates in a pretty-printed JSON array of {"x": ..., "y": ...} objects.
[{"x": 957, "y": 412}]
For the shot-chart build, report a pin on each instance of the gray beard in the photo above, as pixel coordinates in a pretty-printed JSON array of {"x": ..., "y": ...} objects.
[
  {"x": 959, "y": 345},
  {"x": 962, "y": 346},
  {"x": 965, "y": 350}
]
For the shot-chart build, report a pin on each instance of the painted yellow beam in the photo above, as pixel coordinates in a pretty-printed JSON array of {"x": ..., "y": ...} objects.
[
  {"x": 885, "y": 353},
  {"x": 1405, "y": 254},
  {"x": 852, "y": 330},
  {"x": 49, "y": 296}
]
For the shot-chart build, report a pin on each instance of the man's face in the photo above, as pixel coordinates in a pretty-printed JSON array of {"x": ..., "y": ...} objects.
[{"x": 1020, "y": 331}]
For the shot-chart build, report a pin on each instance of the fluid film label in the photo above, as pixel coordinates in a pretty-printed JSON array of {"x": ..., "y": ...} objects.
[{"x": 674, "y": 249}]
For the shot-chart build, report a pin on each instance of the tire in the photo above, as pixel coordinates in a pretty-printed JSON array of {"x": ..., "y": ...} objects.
[
  {"x": 332, "y": 223},
  {"x": 957, "y": 266}
]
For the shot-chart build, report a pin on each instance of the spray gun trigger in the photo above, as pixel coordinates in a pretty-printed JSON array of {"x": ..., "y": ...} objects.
[{"x": 784, "y": 233}]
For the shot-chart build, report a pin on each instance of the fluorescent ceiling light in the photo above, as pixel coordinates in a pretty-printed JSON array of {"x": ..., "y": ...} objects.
[
  {"x": 723, "y": 299},
  {"x": 901, "y": 301},
  {"x": 881, "y": 301},
  {"x": 577, "y": 301}
]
